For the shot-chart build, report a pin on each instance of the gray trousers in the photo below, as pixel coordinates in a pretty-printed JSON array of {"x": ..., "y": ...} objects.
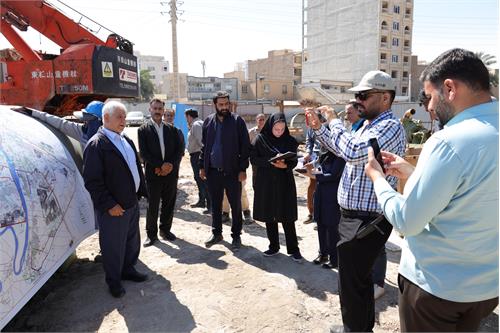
[{"x": 120, "y": 241}]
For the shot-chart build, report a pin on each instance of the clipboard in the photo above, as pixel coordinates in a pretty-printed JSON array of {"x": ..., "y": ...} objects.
[{"x": 286, "y": 156}]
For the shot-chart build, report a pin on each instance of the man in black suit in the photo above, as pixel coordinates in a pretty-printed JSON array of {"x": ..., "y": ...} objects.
[
  {"x": 113, "y": 176},
  {"x": 223, "y": 163},
  {"x": 160, "y": 150}
]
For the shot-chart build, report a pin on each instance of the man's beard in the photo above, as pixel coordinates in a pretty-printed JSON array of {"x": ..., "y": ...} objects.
[
  {"x": 369, "y": 114},
  {"x": 444, "y": 111},
  {"x": 222, "y": 112}
]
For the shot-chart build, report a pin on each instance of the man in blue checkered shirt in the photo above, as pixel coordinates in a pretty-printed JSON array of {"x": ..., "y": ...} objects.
[{"x": 374, "y": 96}]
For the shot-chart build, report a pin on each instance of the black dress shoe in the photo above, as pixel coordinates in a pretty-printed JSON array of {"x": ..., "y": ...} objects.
[
  {"x": 149, "y": 241},
  {"x": 329, "y": 265},
  {"x": 236, "y": 243},
  {"x": 207, "y": 211},
  {"x": 117, "y": 291},
  {"x": 214, "y": 239},
  {"x": 320, "y": 259},
  {"x": 136, "y": 277},
  {"x": 168, "y": 236},
  {"x": 199, "y": 204}
]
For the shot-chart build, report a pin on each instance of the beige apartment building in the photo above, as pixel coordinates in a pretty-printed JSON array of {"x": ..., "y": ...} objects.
[
  {"x": 270, "y": 78},
  {"x": 344, "y": 39}
]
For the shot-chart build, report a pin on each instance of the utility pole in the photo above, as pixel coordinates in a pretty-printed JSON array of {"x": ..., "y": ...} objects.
[
  {"x": 256, "y": 91},
  {"x": 203, "y": 67},
  {"x": 303, "y": 38},
  {"x": 175, "y": 62}
]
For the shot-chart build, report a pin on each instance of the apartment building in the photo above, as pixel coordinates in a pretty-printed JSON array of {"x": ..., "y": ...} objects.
[
  {"x": 157, "y": 67},
  {"x": 270, "y": 78},
  {"x": 203, "y": 88},
  {"x": 346, "y": 38}
]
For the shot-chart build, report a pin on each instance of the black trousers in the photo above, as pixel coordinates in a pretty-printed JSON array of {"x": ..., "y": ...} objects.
[
  {"x": 164, "y": 190},
  {"x": 356, "y": 258},
  {"x": 119, "y": 240},
  {"x": 218, "y": 181},
  {"x": 327, "y": 216},
  {"x": 200, "y": 183},
  {"x": 292, "y": 244},
  {"x": 420, "y": 311}
]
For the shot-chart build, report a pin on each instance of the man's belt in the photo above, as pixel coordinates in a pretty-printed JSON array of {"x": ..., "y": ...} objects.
[
  {"x": 358, "y": 213},
  {"x": 368, "y": 228}
]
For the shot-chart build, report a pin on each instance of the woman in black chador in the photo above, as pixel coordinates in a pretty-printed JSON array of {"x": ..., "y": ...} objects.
[{"x": 275, "y": 197}]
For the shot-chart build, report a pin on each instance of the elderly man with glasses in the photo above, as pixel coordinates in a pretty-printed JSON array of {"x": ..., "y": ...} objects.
[{"x": 357, "y": 251}]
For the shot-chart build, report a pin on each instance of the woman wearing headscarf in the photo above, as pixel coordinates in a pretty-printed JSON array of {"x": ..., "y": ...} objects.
[{"x": 275, "y": 198}]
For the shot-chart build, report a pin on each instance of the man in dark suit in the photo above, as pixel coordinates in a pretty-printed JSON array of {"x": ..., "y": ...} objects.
[
  {"x": 223, "y": 163},
  {"x": 161, "y": 151},
  {"x": 113, "y": 176}
]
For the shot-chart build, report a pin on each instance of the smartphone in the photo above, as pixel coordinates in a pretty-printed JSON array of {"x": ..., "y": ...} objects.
[{"x": 376, "y": 151}]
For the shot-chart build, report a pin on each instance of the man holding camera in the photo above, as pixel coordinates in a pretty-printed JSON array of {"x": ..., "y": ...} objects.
[{"x": 374, "y": 96}]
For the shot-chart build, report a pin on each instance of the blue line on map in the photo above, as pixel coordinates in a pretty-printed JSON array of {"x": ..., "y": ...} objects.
[{"x": 17, "y": 182}]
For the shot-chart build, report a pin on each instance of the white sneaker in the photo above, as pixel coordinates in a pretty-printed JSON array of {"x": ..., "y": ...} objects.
[{"x": 378, "y": 291}]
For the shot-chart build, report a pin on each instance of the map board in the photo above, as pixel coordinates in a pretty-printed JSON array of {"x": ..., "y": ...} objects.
[{"x": 45, "y": 210}]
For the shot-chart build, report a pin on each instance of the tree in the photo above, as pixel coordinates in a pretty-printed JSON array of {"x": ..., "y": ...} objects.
[
  {"x": 489, "y": 60},
  {"x": 147, "y": 87}
]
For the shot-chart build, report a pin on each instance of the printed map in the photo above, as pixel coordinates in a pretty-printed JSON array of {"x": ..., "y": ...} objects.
[{"x": 45, "y": 211}]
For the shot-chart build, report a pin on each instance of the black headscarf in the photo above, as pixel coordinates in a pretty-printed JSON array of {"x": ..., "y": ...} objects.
[{"x": 282, "y": 143}]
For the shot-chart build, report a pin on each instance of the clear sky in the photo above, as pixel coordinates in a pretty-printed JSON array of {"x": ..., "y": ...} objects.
[{"x": 224, "y": 32}]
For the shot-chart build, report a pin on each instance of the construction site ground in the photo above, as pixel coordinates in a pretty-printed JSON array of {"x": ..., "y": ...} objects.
[{"x": 192, "y": 288}]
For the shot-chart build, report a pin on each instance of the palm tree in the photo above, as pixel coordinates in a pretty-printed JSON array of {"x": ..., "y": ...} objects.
[{"x": 489, "y": 60}]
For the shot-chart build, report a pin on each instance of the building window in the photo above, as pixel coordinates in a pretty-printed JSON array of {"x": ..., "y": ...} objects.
[
  {"x": 408, "y": 12},
  {"x": 284, "y": 89},
  {"x": 383, "y": 70},
  {"x": 342, "y": 89},
  {"x": 267, "y": 88},
  {"x": 407, "y": 43},
  {"x": 395, "y": 26},
  {"x": 394, "y": 74},
  {"x": 244, "y": 89},
  {"x": 383, "y": 39},
  {"x": 405, "y": 59},
  {"x": 404, "y": 91},
  {"x": 407, "y": 30},
  {"x": 152, "y": 77},
  {"x": 383, "y": 56},
  {"x": 151, "y": 68},
  {"x": 395, "y": 58},
  {"x": 395, "y": 42},
  {"x": 396, "y": 9},
  {"x": 405, "y": 74},
  {"x": 165, "y": 68},
  {"x": 385, "y": 6},
  {"x": 384, "y": 25}
]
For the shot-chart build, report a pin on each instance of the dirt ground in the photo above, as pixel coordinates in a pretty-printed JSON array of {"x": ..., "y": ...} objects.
[{"x": 191, "y": 288}]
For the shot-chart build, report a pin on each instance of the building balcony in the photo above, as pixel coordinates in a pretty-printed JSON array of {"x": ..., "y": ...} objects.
[
  {"x": 407, "y": 49},
  {"x": 384, "y": 27},
  {"x": 407, "y": 16},
  {"x": 404, "y": 79},
  {"x": 383, "y": 44},
  {"x": 385, "y": 10},
  {"x": 407, "y": 32},
  {"x": 383, "y": 61}
]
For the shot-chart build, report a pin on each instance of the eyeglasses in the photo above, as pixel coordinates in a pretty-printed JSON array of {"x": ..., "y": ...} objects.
[{"x": 364, "y": 95}]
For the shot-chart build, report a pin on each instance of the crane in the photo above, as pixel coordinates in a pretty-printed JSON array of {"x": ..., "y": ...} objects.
[{"x": 86, "y": 69}]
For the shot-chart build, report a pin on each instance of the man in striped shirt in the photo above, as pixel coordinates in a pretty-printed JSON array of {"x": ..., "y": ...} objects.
[{"x": 356, "y": 197}]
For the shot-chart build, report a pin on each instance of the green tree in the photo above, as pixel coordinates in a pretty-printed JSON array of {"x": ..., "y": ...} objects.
[
  {"x": 489, "y": 60},
  {"x": 147, "y": 87}
]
